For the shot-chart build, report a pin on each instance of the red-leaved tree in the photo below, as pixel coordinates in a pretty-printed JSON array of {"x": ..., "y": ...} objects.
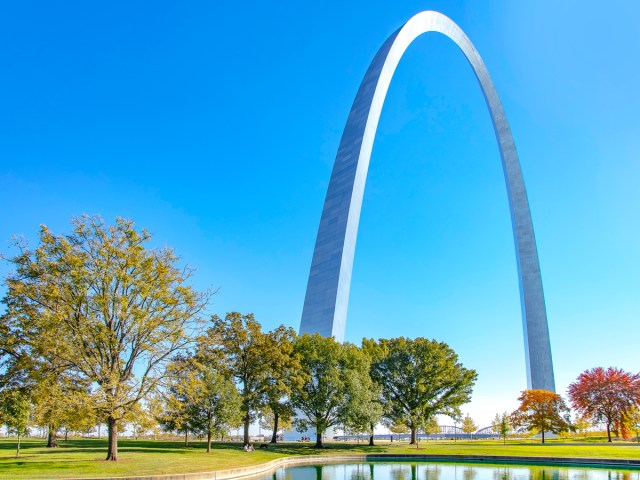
[{"x": 607, "y": 396}]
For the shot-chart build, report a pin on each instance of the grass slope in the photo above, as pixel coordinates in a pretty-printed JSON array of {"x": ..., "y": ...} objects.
[{"x": 85, "y": 458}]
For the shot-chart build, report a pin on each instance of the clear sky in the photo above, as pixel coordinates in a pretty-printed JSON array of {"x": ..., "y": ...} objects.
[{"x": 215, "y": 126}]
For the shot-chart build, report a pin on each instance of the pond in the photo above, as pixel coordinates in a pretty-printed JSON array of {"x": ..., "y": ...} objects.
[{"x": 427, "y": 470}]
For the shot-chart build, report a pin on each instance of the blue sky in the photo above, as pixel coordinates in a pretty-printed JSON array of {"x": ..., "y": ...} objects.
[{"x": 215, "y": 126}]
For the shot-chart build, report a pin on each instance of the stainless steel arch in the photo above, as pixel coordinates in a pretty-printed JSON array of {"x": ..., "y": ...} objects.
[{"x": 325, "y": 305}]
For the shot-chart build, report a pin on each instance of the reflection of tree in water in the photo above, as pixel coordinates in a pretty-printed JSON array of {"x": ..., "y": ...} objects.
[
  {"x": 581, "y": 474},
  {"x": 399, "y": 472},
  {"x": 362, "y": 471},
  {"x": 431, "y": 471},
  {"x": 502, "y": 473},
  {"x": 469, "y": 473},
  {"x": 546, "y": 473},
  {"x": 621, "y": 475}
]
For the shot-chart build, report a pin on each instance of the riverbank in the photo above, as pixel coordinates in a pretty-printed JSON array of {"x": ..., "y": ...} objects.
[{"x": 85, "y": 458}]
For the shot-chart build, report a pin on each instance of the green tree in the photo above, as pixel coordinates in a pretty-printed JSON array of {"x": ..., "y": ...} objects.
[
  {"x": 283, "y": 376},
  {"x": 429, "y": 426},
  {"x": 502, "y": 425},
  {"x": 174, "y": 416},
  {"x": 119, "y": 311},
  {"x": 468, "y": 426},
  {"x": 335, "y": 375},
  {"x": 247, "y": 351},
  {"x": 215, "y": 405},
  {"x": 420, "y": 379},
  {"x": 364, "y": 408},
  {"x": 397, "y": 427},
  {"x": 285, "y": 420},
  {"x": 15, "y": 413},
  {"x": 542, "y": 411}
]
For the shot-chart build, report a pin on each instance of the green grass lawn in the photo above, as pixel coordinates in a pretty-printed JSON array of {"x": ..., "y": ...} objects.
[{"x": 85, "y": 458}]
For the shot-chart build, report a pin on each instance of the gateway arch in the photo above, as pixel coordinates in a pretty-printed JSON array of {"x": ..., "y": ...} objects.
[{"x": 327, "y": 296}]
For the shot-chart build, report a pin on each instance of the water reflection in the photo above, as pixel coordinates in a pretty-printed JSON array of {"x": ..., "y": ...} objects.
[{"x": 447, "y": 471}]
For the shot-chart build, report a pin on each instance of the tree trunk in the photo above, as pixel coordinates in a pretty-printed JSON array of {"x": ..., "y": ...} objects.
[
  {"x": 52, "y": 438},
  {"x": 318, "y": 441},
  {"x": 371, "y": 444},
  {"x": 186, "y": 438},
  {"x": 247, "y": 422},
  {"x": 209, "y": 441},
  {"x": 609, "y": 431},
  {"x": 413, "y": 436},
  {"x": 66, "y": 434},
  {"x": 274, "y": 437},
  {"x": 18, "y": 450},
  {"x": 542, "y": 436},
  {"x": 99, "y": 436},
  {"x": 112, "y": 436}
]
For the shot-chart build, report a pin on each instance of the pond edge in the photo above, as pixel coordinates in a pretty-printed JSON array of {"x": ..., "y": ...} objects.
[{"x": 272, "y": 465}]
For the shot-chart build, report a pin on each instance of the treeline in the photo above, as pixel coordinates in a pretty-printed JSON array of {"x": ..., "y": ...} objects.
[
  {"x": 598, "y": 396},
  {"x": 99, "y": 328}
]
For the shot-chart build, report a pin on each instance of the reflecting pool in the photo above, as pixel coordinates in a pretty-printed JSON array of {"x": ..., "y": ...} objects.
[{"x": 427, "y": 470}]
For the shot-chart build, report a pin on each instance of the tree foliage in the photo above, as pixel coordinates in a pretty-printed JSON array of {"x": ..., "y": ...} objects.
[
  {"x": 502, "y": 425},
  {"x": 335, "y": 375},
  {"x": 633, "y": 422},
  {"x": 246, "y": 350},
  {"x": 468, "y": 425},
  {"x": 541, "y": 411},
  {"x": 284, "y": 375},
  {"x": 15, "y": 413},
  {"x": 605, "y": 395},
  {"x": 420, "y": 379},
  {"x": 106, "y": 307}
]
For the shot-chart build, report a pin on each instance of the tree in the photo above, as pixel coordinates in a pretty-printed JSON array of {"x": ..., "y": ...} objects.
[
  {"x": 364, "y": 409},
  {"x": 246, "y": 350},
  {"x": 285, "y": 420},
  {"x": 420, "y": 379},
  {"x": 141, "y": 418},
  {"x": 633, "y": 422},
  {"x": 395, "y": 427},
  {"x": 118, "y": 310},
  {"x": 15, "y": 413},
  {"x": 605, "y": 395},
  {"x": 581, "y": 425},
  {"x": 214, "y": 407},
  {"x": 430, "y": 426},
  {"x": 542, "y": 411},
  {"x": 61, "y": 399},
  {"x": 284, "y": 375},
  {"x": 468, "y": 426},
  {"x": 174, "y": 417},
  {"x": 502, "y": 425},
  {"x": 335, "y": 375},
  {"x": 201, "y": 397}
]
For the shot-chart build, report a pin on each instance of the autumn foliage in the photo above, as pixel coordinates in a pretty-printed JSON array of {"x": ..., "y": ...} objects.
[
  {"x": 607, "y": 396},
  {"x": 541, "y": 411}
]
